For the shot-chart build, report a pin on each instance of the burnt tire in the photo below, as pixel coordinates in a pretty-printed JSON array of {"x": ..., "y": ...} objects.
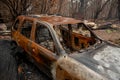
[{"x": 8, "y": 66}]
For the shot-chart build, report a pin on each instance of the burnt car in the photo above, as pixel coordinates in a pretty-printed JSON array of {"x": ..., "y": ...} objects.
[{"x": 66, "y": 49}]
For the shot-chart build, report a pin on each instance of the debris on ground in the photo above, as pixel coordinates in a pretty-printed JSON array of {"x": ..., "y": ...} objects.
[
  {"x": 31, "y": 72},
  {"x": 109, "y": 31},
  {"x": 3, "y": 27}
]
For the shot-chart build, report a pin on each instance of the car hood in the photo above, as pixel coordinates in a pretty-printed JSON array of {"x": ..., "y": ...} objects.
[
  {"x": 109, "y": 61},
  {"x": 104, "y": 60}
]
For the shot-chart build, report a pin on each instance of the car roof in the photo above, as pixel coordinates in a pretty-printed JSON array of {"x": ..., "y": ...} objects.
[
  {"x": 58, "y": 20},
  {"x": 53, "y": 19}
]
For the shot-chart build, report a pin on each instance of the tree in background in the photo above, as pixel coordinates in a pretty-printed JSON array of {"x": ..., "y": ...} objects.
[
  {"x": 23, "y": 7},
  {"x": 46, "y": 5},
  {"x": 17, "y": 7},
  {"x": 119, "y": 9},
  {"x": 113, "y": 11},
  {"x": 100, "y": 6},
  {"x": 80, "y": 9}
]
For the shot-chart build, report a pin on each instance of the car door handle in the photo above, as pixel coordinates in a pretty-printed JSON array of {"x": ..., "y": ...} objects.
[
  {"x": 33, "y": 50},
  {"x": 18, "y": 40}
]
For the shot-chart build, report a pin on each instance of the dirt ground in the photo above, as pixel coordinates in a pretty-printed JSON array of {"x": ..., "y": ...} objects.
[
  {"x": 8, "y": 68},
  {"x": 110, "y": 32},
  {"x": 30, "y": 71},
  {"x": 109, "y": 35}
]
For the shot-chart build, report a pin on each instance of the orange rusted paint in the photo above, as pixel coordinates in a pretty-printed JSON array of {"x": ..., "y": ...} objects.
[
  {"x": 58, "y": 20},
  {"x": 40, "y": 55}
]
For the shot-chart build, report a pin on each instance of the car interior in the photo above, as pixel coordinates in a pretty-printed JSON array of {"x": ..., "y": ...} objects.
[
  {"x": 74, "y": 37},
  {"x": 43, "y": 37},
  {"x": 26, "y": 28}
]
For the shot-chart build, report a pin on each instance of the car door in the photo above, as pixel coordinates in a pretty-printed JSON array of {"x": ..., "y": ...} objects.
[
  {"x": 43, "y": 46},
  {"x": 43, "y": 49},
  {"x": 15, "y": 29},
  {"x": 24, "y": 34}
]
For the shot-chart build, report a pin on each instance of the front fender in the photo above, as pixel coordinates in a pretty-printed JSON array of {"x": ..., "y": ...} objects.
[{"x": 67, "y": 68}]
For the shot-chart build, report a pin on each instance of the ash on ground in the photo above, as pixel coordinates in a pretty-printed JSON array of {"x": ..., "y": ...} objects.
[{"x": 28, "y": 71}]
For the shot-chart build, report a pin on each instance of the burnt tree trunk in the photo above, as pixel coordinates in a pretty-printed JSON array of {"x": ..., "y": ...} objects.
[
  {"x": 82, "y": 8},
  {"x": 100, "y": 9},
  {"x": 119, "y": 9},
  {"x": 113, "y": 12}
]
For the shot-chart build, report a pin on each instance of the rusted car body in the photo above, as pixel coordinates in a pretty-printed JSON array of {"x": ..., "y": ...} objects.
[{"x": 64, "y": 48}]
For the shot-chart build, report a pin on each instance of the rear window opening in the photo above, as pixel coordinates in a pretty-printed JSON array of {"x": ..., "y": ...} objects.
[{"x": 75, "y": 38}]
